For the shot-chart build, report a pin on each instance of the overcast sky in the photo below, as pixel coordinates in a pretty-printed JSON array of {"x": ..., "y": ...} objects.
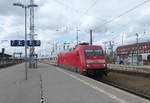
[{"x": 66, "y": 15}]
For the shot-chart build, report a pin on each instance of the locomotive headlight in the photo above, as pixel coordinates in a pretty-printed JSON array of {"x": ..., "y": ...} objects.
[{"x": 88, "y": 65}]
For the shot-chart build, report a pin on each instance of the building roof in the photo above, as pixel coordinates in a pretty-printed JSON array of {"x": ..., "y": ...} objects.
[
  {"x": 5, "y": 55},
  {"x": 133, "y": 44},
  {"x": 140, "y": 48}
]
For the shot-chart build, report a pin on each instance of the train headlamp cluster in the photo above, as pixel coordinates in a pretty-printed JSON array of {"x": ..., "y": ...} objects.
[{"x": 88, "y": 65}]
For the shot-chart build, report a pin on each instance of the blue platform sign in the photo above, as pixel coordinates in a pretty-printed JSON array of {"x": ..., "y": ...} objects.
[
  {"x": 17, "y": 43},
  {"x": 33, "y": 42},
  {"x": 22, "y": 43}
]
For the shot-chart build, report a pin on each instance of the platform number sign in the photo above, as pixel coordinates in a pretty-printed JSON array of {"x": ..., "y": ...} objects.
[
  {"x": 17, "y": 43},
  {"x": 22, "y": 43},
  {"x": 33, "y": 43}
]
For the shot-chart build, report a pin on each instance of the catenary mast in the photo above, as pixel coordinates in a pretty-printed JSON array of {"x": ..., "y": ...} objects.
[{"x": 31, "y": 32}]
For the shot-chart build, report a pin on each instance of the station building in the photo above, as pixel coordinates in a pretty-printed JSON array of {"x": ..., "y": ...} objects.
[
  {"x": 138, "y": 53},
  {"x": 4, "y": 56}
]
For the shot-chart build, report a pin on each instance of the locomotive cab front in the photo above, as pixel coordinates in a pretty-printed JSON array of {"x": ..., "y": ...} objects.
[{"x": 95, "y": 61}]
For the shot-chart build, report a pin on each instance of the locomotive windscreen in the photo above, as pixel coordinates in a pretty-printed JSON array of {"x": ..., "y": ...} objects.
[{"x": 93, "y": 52}]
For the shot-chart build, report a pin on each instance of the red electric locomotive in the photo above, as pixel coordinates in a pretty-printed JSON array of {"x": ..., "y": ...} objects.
[{"x": 84, "y": 59}]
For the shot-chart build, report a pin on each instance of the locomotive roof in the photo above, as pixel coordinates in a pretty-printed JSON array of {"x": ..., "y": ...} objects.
[
  {"x": 82, "y": 47},
  {"x": 89, "y": 46}
]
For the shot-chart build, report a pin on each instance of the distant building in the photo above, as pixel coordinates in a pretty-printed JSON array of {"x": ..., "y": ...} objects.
[
  {"x": 4, "y": 56},
  {"x": 134, "y": 53}
]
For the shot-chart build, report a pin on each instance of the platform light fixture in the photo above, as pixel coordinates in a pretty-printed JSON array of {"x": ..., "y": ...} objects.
[{"x": 25, "y": 7}]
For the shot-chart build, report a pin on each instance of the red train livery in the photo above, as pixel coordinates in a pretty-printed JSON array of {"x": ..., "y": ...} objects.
[{"x": 84, "y": 59}]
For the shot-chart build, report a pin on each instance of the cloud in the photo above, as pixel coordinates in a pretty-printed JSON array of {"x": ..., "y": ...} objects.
[
  {"x": 58, "y": 20},
  {"x": 12, "y": 28}
]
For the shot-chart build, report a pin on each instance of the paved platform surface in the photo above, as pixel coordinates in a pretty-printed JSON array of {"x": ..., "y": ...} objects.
[
  {"x": 15, "y": 89},
  {"x": 59, "y": 86}
]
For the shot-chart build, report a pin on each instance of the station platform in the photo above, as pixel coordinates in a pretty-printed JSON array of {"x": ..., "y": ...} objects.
[
  {"x": 58, "y": 86},
  {"x": 15, "y": 89},
  {"x": 139, "y": 68}
]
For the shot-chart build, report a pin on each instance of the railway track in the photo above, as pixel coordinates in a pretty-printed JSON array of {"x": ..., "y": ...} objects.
[
  {"x": 130, "y": 73},
  {"x": 111, "y": 83}
]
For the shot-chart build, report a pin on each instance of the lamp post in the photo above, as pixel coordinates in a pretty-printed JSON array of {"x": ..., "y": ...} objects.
[
  {"x": 25, "y": 7},
  {"x": 137, "y": 41}
]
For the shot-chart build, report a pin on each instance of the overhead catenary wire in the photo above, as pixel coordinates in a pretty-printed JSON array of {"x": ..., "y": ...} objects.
[
  {"x": 94, "y": 3},
  {"x": 124, "y": 13},
  {"x": 128, "y": 11},
  {"x": 106, "y": 21},
  {"x": 91, "y": 6},
  {"x": 78, "y": 11},
  {"x": 67, "y": 6}
]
